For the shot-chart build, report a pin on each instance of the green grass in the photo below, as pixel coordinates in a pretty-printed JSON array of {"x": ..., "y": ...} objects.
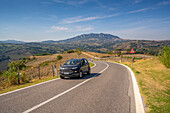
[
  {"x": 153, "y": 79},
  {"x": 91, "y": 64},
  {"x": 43, "y": 54},
  {"x": 134, "y": 58}
]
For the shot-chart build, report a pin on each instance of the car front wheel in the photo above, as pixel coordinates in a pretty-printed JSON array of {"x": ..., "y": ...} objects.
[
  {"x": 88, "y": 72},
  {"x": 80, "y": 74},
  {"x": 61, "y": 77}
]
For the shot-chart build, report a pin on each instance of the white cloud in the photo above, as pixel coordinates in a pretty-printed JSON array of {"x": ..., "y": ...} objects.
[
  {"x": 71, "y": 29},
  {"x": 79, "y": 2},
  {"x": 82, "y": 28},
  {"x": 164, "y": 3},
  {"x": 112, "y": 9},
  {"x": 57, "y": 28},
  {"x": 139, "y": 10},
  {"x": 71, "y": 2},
  {"x": 47, "y": 3},
  {"x": 81, "y": 19},
  {"x": 137, "y": 1}
]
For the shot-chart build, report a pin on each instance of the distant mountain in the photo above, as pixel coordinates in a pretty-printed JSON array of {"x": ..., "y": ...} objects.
[
  {"x": 16, "y": 50},
  {"x": 13, "y": 42},
  {"x": 88, "y": 38},
  {"x": 91, "y": 38},
  {"x": 49, "y": 41}
]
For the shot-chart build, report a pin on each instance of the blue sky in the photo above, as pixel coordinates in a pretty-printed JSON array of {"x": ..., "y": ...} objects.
[{"x": 39, "y": 20}]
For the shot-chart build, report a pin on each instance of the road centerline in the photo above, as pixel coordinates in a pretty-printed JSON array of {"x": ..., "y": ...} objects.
[{"x": 41, "y": 104}]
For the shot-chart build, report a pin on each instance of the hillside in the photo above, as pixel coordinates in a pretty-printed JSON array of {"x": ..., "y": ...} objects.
[
  {"x": 100, "y": 43},
  {"x": 12, "y": 42},
  {"x": 88, "y": 38}
]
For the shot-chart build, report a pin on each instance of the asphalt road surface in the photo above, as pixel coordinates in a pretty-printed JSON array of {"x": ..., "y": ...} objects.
[{"x": 107, "y": 90}]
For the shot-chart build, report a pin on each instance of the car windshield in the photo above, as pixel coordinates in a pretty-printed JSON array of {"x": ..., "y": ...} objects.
[{"x": 73, "y": 62}]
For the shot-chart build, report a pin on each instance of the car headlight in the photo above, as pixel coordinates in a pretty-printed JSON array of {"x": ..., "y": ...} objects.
[
  {"x": 74, "y": 68},
  {"x": 61, "y": 68}
]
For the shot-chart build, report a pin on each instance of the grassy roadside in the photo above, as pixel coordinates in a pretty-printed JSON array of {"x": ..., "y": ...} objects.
[
  {"x": 36, "y": 81},
  {"x": 153, "y": 79},
  {"x": 91, "y": 64}
]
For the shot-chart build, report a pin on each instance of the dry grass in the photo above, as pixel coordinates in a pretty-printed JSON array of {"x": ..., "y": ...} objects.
[
  {"x": 154, "y": 81},
  {"x": 46, "y": 62},
  {"x": 100, "y": 55},
  {"x": 36, "y": 81},
  {"x": 46, "y": 73}
]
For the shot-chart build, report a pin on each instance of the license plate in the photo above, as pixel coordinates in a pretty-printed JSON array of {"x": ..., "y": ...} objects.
[{"x": 66, "y": 73}]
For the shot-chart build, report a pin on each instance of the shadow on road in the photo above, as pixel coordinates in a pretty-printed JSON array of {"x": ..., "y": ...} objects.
[{"x": 85, "y": 76}]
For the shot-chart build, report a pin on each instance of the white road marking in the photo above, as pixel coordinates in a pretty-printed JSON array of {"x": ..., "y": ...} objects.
[
  {"x": 41, "y": 104},
  {"x": 138, "y": 98},
  {"x": 35, "y": 85},
  {"x": 28, "y": 87}
]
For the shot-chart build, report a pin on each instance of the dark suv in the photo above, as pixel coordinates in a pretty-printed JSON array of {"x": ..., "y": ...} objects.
[{"x": 75, "y": 68}]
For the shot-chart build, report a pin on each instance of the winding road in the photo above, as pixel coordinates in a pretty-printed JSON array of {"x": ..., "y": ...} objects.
[{"x": 108, "y": 89}]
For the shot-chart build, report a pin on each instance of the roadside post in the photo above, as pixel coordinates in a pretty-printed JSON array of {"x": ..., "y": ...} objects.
[
  {"x": 52, "y": 70},
  {"x": 55, "y": 70},
  {"x": 18, "y": 76},
  {"x": 132, "y": 51},
  {"x": 39, "y": 72}
]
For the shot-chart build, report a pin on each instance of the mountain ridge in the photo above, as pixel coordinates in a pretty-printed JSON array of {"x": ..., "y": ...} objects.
[
  {"x": 13, "y": 42},
  {"x": 84, "y": 37}
]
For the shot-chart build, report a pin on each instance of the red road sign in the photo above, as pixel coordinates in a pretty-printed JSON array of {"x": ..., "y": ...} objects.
[{"x": 132, "y": 51}]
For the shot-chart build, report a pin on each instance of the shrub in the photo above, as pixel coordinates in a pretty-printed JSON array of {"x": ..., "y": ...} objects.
[
  {"x": 70, "y": 51},
  {"x": 164, "y": 56},
  {"x": 11, "y": 77},
  {"x": 110, "y": 52},
  {"x": 59, "y": 57},
  {"x": 13, "y": 66},
  {"x": 64, "y": 52},
  {"x": 43, "y": 54},
  {"x": 25, "y": 78}
]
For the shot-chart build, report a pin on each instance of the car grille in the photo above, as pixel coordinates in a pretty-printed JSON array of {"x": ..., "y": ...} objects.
[{"x": 68, "y": 71}]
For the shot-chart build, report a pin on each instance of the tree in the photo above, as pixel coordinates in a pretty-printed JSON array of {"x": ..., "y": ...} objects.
[
  {"x": 119, "y": 53},
  {"x": 79, "y": 51},
  {"x": 165, "y": 56},
  {"x": 59, "y": 57},
  {"x": 109, "y": 52}
]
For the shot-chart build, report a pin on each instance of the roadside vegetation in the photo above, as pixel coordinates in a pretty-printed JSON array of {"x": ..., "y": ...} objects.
[
  {"x": 91, "y": 64},
  {"x": 153, "y": 79},
  {"x": 43, "y": 54},
  {"x": 164, "y": 56},
  {"x": 29, "y": 74}
]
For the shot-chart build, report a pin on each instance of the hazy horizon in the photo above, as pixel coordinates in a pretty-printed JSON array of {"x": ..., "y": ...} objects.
[{"x": 79, "y": 35}]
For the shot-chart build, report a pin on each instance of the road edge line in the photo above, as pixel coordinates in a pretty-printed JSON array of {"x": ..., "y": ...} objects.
[
  {"x": 138, "y": 98},
  {"x": 68, "y": 90},
  {"x": 28, "y": 87},
  {"x": 35, "y": 84}
]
